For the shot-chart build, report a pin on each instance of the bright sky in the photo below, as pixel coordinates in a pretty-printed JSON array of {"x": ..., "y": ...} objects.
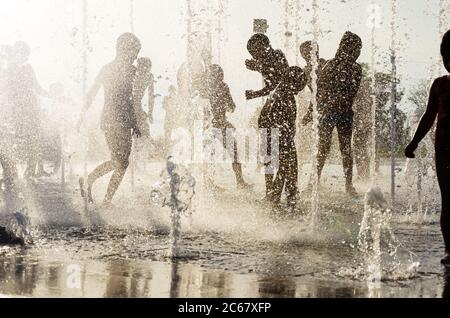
[{"x": 52, "y": 28}]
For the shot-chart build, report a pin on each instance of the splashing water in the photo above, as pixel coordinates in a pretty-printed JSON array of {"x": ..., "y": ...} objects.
[
  {"x": 423, "y": 192},
  {"x": 373, "y": 151},
  {"x": 14, "y": 221},
  {"x": 176, "y": 190},
  {"x": 84, "y": 79},
  {"x": 370, "y": 233},
  {"x": 14, "y": 228},
  {"x": 393, "y": 97},
  {"x": 380, "y": 264},
  {"x": 220, "y": 22},
  {"x": 315, "y": 130}
]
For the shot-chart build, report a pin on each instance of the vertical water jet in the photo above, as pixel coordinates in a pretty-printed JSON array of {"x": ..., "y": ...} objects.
[
  {"x": 373, "y": 111},
  {"x": 393, "y": 97},
  {"x": 220, "y": 15},
  {"x": 84, "y": 49},
  {"x": 297, "y": 31},
  {"x": 133, "y": 150},
  {"x": 315, "y": 131}
]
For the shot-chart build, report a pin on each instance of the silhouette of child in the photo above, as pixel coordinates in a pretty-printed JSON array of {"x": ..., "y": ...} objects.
[
  {"x": 22, "y": 90},
  {"x": 439, "y": 106},
  {"x": 143, "y": 82},
  {"x": 306, "y": 53},
  {"x": 118, "y": 118},
  {"x": 338, "y": 85},
  {"x": 221, "y": 101},
  {"x": 284, "y": 113},
  {"x": 273, "y": 66},
  {"x": 271, "y": 63}
]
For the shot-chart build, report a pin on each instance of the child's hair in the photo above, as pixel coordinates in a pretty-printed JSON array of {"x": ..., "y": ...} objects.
[
  {"x": 350, "y": 46},
  {"x": 257, "y": 44},
  {"x": 143, "y": 72},
  {"x": 306, "y": 49},
  {"x": 127, "y": 42},
  {"x": 144, "y": 63},
  {"x": 216, "y": 72},
  {"x": 445, "y": 50}
]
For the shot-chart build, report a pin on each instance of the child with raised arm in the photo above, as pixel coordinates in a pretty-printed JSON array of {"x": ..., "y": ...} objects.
[
  {"x": 439, "y": 106},
  {"x": 283, "y": 110}
]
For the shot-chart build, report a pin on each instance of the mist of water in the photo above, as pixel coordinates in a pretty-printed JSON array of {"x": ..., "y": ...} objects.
[{"x": 315, "y": 131}]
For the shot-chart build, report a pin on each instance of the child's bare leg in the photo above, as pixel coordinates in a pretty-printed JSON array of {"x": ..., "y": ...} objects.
[
  {"x": 119, "y": 142},
  {"x": 115, "y": 181},
  {"x": 443, "y": 174},
  {"x": 325, "y": 139},
  {"x": 30, "y": 171},
  {"x": 98, "y": 172},
  {"x": 237, "y": 169}
]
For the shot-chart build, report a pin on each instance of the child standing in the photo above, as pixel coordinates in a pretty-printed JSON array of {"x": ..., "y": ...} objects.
[{"x": 439, "y": 106}]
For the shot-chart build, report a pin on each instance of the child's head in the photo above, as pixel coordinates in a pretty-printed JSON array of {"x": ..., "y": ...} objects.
[
  {"x": 306, "y": 49},
  {"x": 295, "y": 80},
  {"x": 128, "y": 47},
  {"x": 350, "y": 47},
  {"x": 144, "y": 65},
  {"x": 258, "y": 45},
  {"x": 216, "y": 73},
  {"x": 445, "y": 50}
]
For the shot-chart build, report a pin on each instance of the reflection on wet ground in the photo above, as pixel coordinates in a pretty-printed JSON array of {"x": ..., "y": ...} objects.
[
  {"x": 233, "y": 250},
  {"x": 58, "y": 268}
]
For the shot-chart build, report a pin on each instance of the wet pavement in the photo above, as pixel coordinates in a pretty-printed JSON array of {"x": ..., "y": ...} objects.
[{"x": 232, "y": 247}]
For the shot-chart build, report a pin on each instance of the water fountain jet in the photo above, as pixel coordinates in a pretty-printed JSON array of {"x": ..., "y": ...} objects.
[
  {"x": 315, "y": 131},
  {"x": 176, "y": 190}
]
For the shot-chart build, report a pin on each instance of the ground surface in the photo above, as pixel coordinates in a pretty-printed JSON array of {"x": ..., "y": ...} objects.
[{"x": 232, "y": 246}]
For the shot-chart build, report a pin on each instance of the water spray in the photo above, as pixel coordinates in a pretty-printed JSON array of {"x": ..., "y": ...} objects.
[
  {"x": 287, "y": 33},
  {"x": 133, "y": 151},
  {"x": 220, "y": 15},
  {"x": 393, "y": 98},
  {"x": 315, "y": 126},
  {"x": 373, "y": 143},
  {"x": 297, "y": 31},
  {"x": 175, "y": 190},
  {"x": 84, "y": 48}
]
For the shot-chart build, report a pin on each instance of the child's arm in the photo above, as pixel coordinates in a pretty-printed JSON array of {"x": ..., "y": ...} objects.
[
  {"x": 354, "y": 86},
  {"x": 151, "y": 99},
  {"x": 269, "y": 86},
  {"x": 134, "y": 116},
  {"x": 308, "y": 116},
  {"x": 89, "y": 98},
  {"x": 426, "y": 122},
  {"x": 93, "y": 91},
  {"x": 272, "y": 76},
  {"x": 228, "y": 99},
  {"x": 253, "y": 65}
]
